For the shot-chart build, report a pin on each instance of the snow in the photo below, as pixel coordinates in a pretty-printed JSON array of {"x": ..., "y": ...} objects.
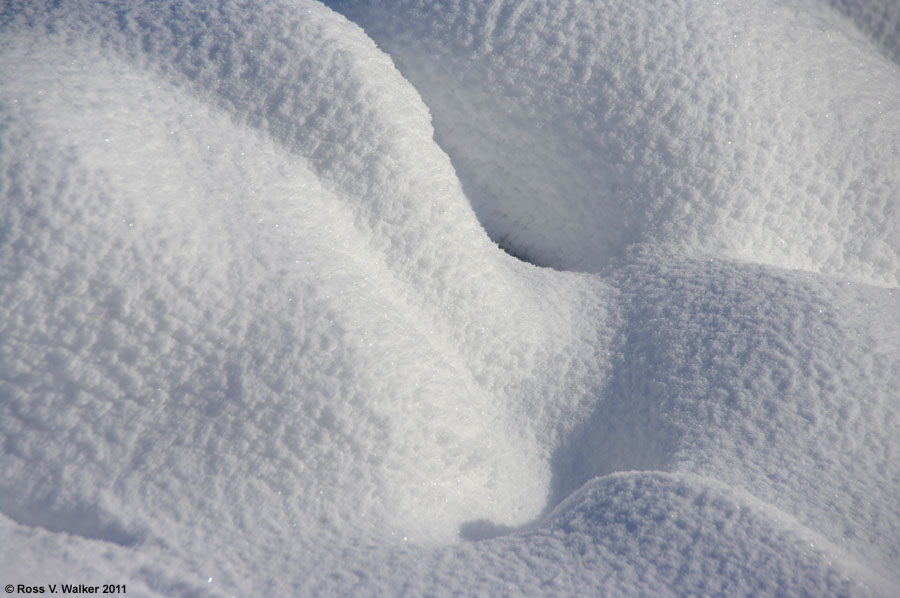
[
  {"x": 749, "y": 130},
  {"x": 259, "y": 334}
]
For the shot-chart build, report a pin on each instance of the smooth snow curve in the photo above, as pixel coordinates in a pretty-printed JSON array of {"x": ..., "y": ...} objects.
[
  {"x": 255, "y": 337},
  {"x": 879, "y": 20},
  {"x": 757, "y": 131}
]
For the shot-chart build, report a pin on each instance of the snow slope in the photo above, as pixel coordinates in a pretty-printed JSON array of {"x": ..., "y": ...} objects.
[
  {"x": 879, "y": 20},
  {"x": 759, "y": 131},
  {"x": 257, "y": 338}
]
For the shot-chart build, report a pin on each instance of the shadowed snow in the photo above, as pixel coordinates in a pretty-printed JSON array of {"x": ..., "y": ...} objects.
[{"x": 256, "y": 337}]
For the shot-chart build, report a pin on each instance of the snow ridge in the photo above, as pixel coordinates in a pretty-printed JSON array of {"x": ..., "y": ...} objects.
[
  {"x": 257, "y": 336},
  {"x": 759, "y": 131}
]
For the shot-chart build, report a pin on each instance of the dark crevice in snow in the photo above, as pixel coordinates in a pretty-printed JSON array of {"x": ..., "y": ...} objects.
[
  {"x": 85, "y": 521},
  {"x": 518, "y": 252},
  {"x": 482, "y": 529}
]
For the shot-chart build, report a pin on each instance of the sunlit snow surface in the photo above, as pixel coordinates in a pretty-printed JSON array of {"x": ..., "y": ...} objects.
[{"x": 257, "y": 336}]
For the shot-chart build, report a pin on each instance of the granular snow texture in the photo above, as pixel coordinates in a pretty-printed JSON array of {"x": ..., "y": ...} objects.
[{"x": 259, "y": 334}]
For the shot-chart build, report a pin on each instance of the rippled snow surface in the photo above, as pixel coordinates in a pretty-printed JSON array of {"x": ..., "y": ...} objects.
[{"x": 471, "y": 297}]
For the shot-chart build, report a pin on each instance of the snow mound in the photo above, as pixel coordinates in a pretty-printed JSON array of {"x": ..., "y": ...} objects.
[
  {"x": 632, "y": 534},
  {"x": 254, "y": 339},
  {"x": 743, "y": 374},
  {"x": 190, "y": 270},
  {"x": 758, "y": 131}
]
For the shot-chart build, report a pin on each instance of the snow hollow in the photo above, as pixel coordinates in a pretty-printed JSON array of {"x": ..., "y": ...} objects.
[{"x": 474, "y": 297}]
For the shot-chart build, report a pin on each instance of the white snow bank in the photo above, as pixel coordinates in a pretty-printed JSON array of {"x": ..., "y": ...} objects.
[
  {"x": 254, "y": 339},
  {"x": 759, "y": 131},
  {"x": 877, "y": 19},
  {"x": 167, "y": 257}
]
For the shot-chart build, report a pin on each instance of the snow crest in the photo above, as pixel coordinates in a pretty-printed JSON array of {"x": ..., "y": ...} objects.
[
  {"x": 257, "y": 334},
  {"x": 756, "y": 131}
]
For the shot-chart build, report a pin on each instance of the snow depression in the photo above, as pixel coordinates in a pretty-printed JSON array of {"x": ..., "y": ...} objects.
[{"x": 445, "y": 298}]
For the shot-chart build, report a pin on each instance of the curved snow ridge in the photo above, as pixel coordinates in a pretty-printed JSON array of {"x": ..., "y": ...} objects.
[
  {"x": 757, "y": 371},
  {"x": 252, "y": 331},
  {"x": 691, "y": 526},
  {"x": 878, "y": 19},
  {"x": 631, "y": 534},
  {"x": 194, "y": 272},
  {"x": 756, "y": 131},
  {"x": 301, "y": 75},
  {"x": 741, "y": 373}
]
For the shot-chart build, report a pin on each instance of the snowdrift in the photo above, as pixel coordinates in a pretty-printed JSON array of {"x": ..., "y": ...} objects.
[{"x": 414, "y": 298}]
